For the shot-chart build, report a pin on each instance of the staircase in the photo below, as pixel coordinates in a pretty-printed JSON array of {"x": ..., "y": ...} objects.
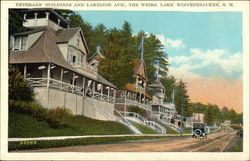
[
  {"x": 101, "y": 109},
  {"x": 113, "y": 115},
  {"x": 172, "y": 126},
  {"x": 121, "y": 119},
  {"x": 142, "y": 120}
]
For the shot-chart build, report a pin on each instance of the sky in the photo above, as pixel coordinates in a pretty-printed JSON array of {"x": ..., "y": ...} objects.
[{"x": 204, "y": 48}]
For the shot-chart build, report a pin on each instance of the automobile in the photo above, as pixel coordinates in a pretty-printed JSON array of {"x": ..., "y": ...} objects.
[
  {"x": 199, "y": 130},
  {"x": 240, "y": 132}
]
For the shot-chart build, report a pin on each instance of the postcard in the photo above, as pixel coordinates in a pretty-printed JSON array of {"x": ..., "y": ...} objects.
[{"x": 125, "y": 80}]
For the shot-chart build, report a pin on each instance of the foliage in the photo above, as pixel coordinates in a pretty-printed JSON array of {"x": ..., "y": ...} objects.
[
  {"x": 16, "y": 22},
  {"x": 182, "y": 98},
  {"x": 137, "y": 110},
  {"x": 19, "y": 89},
  {"x": 29, "y": 119},
  {"x": 17, "y": 145},
  {"x": 117, "y": 66},
  {"x": 169, "y": 84}
]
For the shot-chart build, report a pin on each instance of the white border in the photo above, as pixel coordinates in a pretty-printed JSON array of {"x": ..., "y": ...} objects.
[{"x": 242, "y": 6}]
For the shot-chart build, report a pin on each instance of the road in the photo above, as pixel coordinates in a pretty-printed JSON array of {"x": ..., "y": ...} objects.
[{"x": 216, "y": 142}]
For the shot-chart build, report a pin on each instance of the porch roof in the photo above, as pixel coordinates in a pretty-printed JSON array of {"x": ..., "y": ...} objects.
[{"x": 45, "y": 50}]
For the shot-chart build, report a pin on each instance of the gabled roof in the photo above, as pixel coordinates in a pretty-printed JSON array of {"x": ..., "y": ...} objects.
[
  {"x": 64, "y": 35},
  {"x": 156, "y": 84},
  {"x": 139, "y": 68},
  {"x": 44, "y": 50}
]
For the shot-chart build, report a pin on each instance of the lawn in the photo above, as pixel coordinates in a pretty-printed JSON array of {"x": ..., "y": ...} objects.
[
  {"x": 142, "y": 128},
  {"x": 237, "y": 145},
  {"x": 26, "y": 125}
]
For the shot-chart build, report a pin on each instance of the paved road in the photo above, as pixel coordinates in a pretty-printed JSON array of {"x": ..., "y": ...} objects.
[{"x": 215, "y": 142}]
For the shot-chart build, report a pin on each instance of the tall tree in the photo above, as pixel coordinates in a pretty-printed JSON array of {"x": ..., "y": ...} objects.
[{"x": 181, "y": 93}]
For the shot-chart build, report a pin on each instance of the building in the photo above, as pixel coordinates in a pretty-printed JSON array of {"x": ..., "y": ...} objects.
[
  {"x": 53, "y": 58},
  {"x": 134, "y": 94}
]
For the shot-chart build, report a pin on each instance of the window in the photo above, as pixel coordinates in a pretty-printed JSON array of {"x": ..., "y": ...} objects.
[{"x": 20, "y": 43}]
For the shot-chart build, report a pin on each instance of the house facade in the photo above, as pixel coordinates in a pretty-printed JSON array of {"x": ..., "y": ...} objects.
[{"x": 53, "y": 58}]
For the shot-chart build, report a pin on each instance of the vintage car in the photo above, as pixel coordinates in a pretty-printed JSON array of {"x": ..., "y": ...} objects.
[{"x": 199, "y": 130}]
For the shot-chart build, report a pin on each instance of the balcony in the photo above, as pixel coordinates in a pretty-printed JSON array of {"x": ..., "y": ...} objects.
[{"x": 133, "y": 103}]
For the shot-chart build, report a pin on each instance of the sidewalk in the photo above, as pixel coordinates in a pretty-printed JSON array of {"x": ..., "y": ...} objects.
[{"x": 88, "y": 136}]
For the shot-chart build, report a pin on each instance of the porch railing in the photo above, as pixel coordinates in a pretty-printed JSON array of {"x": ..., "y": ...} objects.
[
  {"x": 53, "y": 83},
  {"x": 132, "y": 103}
]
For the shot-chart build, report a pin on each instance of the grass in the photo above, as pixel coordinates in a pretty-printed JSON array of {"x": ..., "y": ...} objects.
[
  {"x": 237, "y": 145},
  {"x": 169, "y": 130},
  {"x": 142, "y": 128},
  {"x": 20, "y": 145},
  {"x": 187, "y": 131},
  {"x": 30, "y": 119}
]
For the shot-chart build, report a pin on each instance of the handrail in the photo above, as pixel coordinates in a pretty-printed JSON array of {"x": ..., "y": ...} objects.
[
  {"x": 146, "y": 122},
  {"x": 100, "y": 109},
  {"x": 122, "y": 120}
]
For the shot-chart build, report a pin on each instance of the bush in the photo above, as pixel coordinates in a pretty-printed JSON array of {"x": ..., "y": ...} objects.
[
  {"x": 19, "y": 89},
  {"x": 137, "y": 110},
  {"x": 54, "y": 117}
]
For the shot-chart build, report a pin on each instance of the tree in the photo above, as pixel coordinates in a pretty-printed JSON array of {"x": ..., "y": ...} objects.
[
  {"x": 117, "y": 66},
  {"x": 153, "y": 52},
  {"x": 169, "y": 84},
  {"x": 181, "y": 93},
  {"x": 16, "y": 22},
  {"x": 19, "y": 89}
]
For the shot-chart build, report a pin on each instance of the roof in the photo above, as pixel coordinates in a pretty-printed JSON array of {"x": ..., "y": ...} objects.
[
  {"x": 45, "y": 50},
  {"x": 156, "y": 84},
  {"x": 129, "y": 87},
  {"x": 33, "y": 30},
  {"x": 138, "y": 64},
  {"x": 47, "y": 9},
  {"x": 147, "y": 95},
  {"x": 64, "y": 35},
  {"x": 96, "y": 56},
  {"x": 103, "y": 80}
]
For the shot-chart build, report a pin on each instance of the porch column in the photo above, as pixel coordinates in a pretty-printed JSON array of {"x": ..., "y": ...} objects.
[
  {"x": 125, "y": 106},
  {"x": 101, "y": 91},
  {"x": 25, "y": 71},
  {"x": 83, "y": 86},
  {"x": 108, "y": 93},
  {"x": 93, "y": 89},
  {"x": 48, "y": 80},
  {"x": 73, "y": 82},
  {"x": 114, "y": 94},
  {"x": 61, "y": 79}
]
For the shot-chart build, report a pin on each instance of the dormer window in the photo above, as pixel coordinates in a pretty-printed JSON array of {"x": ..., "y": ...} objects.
[{"x": 20, "y": 43}]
